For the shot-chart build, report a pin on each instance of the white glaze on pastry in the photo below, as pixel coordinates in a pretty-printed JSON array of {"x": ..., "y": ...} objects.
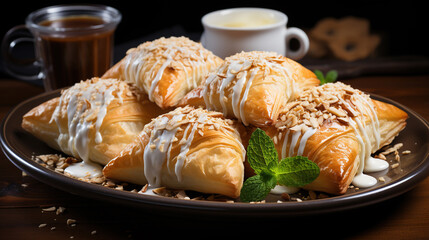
[
  {"x": 187, "y": 148},
  {"x": 146, "y": 64},
  {"x": 86, "y": 106},
  {"x": 163, "y": 135},
  {"x": 239, "y": 71},
  {"x": 346, "y": 105}
]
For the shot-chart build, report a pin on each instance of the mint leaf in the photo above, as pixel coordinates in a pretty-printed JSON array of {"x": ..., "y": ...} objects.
[
  {"x": 256, "y": 188},
  {"x": 296, "y": 171},
  {"x": 263, "y": 158},
  {"x": 269, "y": 178},
  {"x": 320, "y": 76},
  {"x": 331, "y": 76},
  {"x": 261, "y": 152}
]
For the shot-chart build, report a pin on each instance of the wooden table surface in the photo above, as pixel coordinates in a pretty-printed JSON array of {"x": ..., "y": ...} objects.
[{"x": 22, "y": 198}]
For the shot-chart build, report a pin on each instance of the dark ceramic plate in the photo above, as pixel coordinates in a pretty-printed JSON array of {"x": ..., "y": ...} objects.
[{"x": 19, "y": 146}]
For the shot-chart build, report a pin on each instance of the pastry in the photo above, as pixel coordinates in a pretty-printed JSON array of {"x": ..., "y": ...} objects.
[
  {"x": 350, "y": 48},
  {"x": 252, "y": 87},
  {"x": 329, "y": 29},
  {"x": 187, "y": 148},
  {"x": 338, "y": 128},
  {"x": 348, "y": 38},
  {"x": 92, "y": 120},
  {"x": 166, "y": 68}
]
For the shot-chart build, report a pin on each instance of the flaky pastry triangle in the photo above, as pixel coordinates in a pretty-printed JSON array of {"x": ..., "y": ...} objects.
[
  {"x": 337, "y": 127},
  {"x": 252, "y": 87},
  {"x": 92, "y": 120},
  {"x": 187, "y": 148},
  {"x": 166, "y": 68}
]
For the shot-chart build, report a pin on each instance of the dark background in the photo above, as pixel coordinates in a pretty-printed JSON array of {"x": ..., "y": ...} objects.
[{"x": 403, "y": 25}]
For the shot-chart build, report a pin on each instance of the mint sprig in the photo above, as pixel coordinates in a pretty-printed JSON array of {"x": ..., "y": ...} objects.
[
  {"x": 263, "y": 158},
  {"x": 330, "y": 77}
]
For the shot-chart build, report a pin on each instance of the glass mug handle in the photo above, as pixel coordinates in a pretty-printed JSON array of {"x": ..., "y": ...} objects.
[
  {"x": 17, "y": 66},
  {"x": 304, "y": 43}
]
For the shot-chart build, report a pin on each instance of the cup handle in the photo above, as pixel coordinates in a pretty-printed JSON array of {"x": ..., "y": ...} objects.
[
  {"x": 304, "y": 43},
  {"x": 16, "y": 66}
]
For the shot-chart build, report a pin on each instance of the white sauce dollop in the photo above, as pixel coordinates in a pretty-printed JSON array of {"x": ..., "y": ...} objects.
[
  {"x": 84, "y": 170},
  {"x": 280, "y": 189}
]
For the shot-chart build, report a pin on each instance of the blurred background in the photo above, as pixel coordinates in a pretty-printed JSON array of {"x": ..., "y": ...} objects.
[{"x": 399, "y": 27}]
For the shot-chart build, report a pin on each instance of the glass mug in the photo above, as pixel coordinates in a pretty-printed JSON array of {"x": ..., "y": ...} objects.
[
  {"x": 71, "y": 43},
  {"x": 233, "y": 30}
]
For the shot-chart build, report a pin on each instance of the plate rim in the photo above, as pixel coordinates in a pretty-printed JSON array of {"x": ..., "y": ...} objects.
[{"x": 164, "y": 204}]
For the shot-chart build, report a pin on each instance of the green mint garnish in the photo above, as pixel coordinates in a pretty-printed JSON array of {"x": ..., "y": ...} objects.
[
  {"x": 296, "y": 171},
  {"x": 263, "y": 158},
  {"x": 257, "y": 187},
  {"x": 261, "y": 151},
  {"x": 331, "y": 76}
]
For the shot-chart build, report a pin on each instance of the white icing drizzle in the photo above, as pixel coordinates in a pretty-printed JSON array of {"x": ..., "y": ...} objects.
[
  {"x": 295, "y": 136},
  {"x": 366, "y": 162},
  {"x": 246, "y": 93},
  {"x": 231, "y": 73},
  {"x": 237, "y": 77},
  {"x": 307, "y": 134},
  {"x": 298, "y": 140},
  {"x": 184, "y": 149},
  {"x": 160, "y": 72},
  {"x": 86, "y": 106},
  {"x": 175, "y": 52},
  {"x": 208, "y": 97},
  {"x": 375, "y": 124},
  {"x": 298, "y": 125},
  {"x": 236, "y": 94},
  {"x": 154, "y": 154},
  {"x": 163, "y": 135}
]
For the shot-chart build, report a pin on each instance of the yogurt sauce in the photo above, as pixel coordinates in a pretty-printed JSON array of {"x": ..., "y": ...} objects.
[
  {"x": 367, "y": 163},
  {"x": 84, "y": 169},
  {"x": 279, "y": 189}
]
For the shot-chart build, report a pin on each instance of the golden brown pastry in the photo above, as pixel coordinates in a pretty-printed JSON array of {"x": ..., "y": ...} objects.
[
  {"x": 350, "y": 48},
  {"x": 252, "y": 87},
  {"x": 92, "y": 120},
  {"x": 187, "y": 148},
  {"x": 338, "y": 128},
  {"x": 329, "y": 29},
  {"x": 166, "y": 68},
  {"x": 348, "y": 38}
]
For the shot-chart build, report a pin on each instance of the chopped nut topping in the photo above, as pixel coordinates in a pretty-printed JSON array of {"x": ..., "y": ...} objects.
[
  {"x": 406, "y": 152},
  {"x": 60, "y": 210},
  {"x": 43, "y": 225},
  {"x": 390, "y": 150},
  {"x": 71, "y": 221},
  {"x": 50, "y": 209},
  {"x": 395, "y": 165},
  {"x": 325, "y": 103}
]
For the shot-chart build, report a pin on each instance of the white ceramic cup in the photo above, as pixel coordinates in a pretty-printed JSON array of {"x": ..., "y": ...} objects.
[{"x": 233, "y": 30}]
